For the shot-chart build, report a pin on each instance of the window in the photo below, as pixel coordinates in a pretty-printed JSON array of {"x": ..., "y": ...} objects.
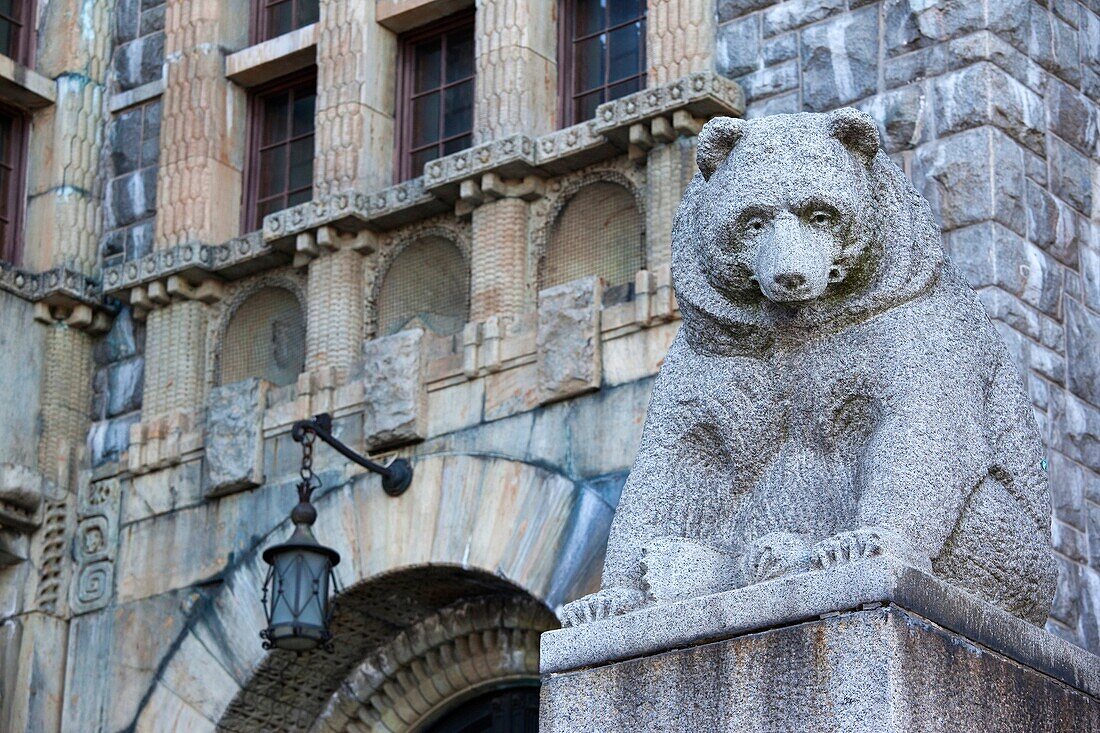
[
  {"x": 280, "y": 171},
  {"x": 427, "y": 286},
  {"x": 602, "y": 52},
  {"x": 598, "y": 232},
  {"x": 436, "y": 93},
  {"x": 266, "y": 337},
  {"x": 16, "y": 30},
  {"x": 13, "y": 142},
  {"x": 271, "y": 18}
]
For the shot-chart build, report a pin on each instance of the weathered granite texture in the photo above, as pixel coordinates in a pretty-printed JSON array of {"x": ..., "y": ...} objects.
[
  {"x": 395, "y": 401},
  {"x": 913, "y": 654},
  {"x": 233, "y": 436},
  {"x": 837, "y": 392}
]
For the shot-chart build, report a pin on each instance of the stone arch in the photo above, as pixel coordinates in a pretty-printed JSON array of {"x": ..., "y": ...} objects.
[
  {"x": 445, "y": 659},
  {"x": 573, "y": 191},
  {"x": 220, "y": 324},
  {"x": 455, "y": 236},
  {"x": 470, "y": 527}
]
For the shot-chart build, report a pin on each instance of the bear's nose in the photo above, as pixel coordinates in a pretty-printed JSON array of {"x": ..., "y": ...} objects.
[{"x": 790, "y": 280}]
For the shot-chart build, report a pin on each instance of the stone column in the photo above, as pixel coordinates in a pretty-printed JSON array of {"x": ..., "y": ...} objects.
[
  {"x": 334, "y": 332},
  {"x": 498, "y": 258},
  {"x": 680, "y": 39},
  {"x": 791, "y": 655},
  {"x": 516, "y": 68},
  {"x": 198, "y": 185},
  {"x": 355, "y": 99},
  {"x": 669, "y": 169}
]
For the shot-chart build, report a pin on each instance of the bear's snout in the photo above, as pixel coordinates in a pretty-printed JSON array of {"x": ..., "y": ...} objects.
[{"x": 792, "y": 265}]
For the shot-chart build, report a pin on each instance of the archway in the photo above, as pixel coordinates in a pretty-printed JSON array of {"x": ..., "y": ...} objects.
[{"x": 472, "y": 529}]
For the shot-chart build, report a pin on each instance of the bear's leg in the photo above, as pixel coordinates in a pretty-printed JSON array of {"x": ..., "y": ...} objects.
[{"x": 997, "y": 552}]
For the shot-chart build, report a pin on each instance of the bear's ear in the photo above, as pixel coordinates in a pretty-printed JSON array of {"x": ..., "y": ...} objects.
[
  {"x": 715, "y": 142},
  {"x": 856, "y": 131}
]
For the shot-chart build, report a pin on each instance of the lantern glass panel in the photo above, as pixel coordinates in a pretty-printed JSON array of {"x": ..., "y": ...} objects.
[{"x": 299, "y": 599}]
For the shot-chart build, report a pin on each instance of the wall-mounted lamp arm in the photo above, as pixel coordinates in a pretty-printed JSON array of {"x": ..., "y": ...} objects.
[{"x": 396, "y": 477}]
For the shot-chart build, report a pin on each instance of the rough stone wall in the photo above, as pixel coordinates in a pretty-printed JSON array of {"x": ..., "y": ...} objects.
[
  {"x": 131, "y": 189},
  {"x": 138, "y": 57},
  {"x": 991, "y": 107}
]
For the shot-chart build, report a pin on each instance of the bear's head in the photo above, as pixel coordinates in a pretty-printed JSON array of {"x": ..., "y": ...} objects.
[{"x": 797, "y": 221}]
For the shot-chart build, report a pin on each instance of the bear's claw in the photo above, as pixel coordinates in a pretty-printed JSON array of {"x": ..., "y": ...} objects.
[{"x": 600, "y": 605}]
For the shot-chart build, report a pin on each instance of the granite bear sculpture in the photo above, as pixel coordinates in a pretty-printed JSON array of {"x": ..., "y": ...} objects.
[{"x": 836, "y": 390}]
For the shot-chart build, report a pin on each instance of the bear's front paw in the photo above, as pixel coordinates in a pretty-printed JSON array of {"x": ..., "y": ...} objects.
[
  {"x": 775, "y": 555},
  {"x": 601, "y": 604},
  {"x": 865, "y": 543}
]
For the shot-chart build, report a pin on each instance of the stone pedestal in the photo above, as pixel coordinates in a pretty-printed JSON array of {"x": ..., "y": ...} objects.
[{"x": 873, "y": 646}]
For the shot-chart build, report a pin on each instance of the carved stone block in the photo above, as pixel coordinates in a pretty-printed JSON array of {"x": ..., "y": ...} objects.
[
  {"x": 394, "y": 394},
  {"x": 568, "y": 339},
  {"x": 234, "y": 437}
]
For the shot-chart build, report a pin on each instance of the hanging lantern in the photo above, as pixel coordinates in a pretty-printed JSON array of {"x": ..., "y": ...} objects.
[
  {"x": 300, "y": 585},
  {"x": 297, "y": 592}
]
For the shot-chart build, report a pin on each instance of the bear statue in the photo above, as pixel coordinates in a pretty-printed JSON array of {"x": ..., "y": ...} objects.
[{"x": 835, "y": 392}]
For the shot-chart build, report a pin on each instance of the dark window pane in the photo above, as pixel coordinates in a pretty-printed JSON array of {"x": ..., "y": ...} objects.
[
  {"x": 308, "y": 12},
  {"x": 5, "y": 192},
  {"x": 426, "y": 66},
  {"x": 586, "y": 105},
  {"x": 303, "y": 114},
  {"x": 624, "y": 53},
  {"x": 301, "y": 163},
  {"x": 5, "y": 141},
  {"x": 280, "y": 19},
  {"x": 458, "y": 109},
  {"x": 419, "y": 159},
  {"x": 299, "y": 197},
  {"x": 627, "y": 87},
  {"x": 620, "y": 11},
  {"x": 272, "y": 171},
  {"x": 7, "y": 37},
  {"x": 459, "y": 143},
  {"x": 275, "y": 118},
  {"x": 425, "y": 119},
  {"x": 460, "y": 54},
  {"x": 270, "y": 207},
  {"x": 590, "y": 17},
  {"x": 588, "y": 71}
]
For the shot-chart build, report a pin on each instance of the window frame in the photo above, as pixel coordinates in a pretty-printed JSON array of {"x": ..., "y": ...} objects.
[
  {"x": 258, "y": 30},
  {"x": 12, "y": 250},
  {"x": 25, "y": 38},
  {"x": 406, "y": 65},
  {"x": 257, "y": 97},
  {"x": 566, "y": 62}
]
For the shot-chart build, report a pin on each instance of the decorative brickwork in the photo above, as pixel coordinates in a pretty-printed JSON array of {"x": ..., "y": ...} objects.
[
  {"x": 516, "y": 61},
  {"x": 200, "y": 147},
  {"x": 498, "y": 257},
  {"x": 176, "y": 353},
  {"x": 355, "y": 60},
  {"x": 335, "y": 317},
  {"x": 680, "y": 39}
]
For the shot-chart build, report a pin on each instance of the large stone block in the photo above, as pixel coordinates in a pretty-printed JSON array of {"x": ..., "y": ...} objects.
[
  {"x": 790, "y": 655},
  {"x": 1083, "y": 352},
  {"x": 840, "y": 60},
  {"x": 568, "y": 339},
  {"x": 394, "y": 393},
  {"x": 233, "y": 437}
]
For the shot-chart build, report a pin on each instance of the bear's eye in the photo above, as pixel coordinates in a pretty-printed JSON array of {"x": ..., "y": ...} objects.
[
  {"x": 821, "y": 218},
  {"x": 754, "y": 224}
]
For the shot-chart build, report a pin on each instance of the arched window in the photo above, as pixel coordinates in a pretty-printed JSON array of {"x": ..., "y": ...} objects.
[
  {"x": 598, "y": 232},
  {"x": 266, "y": 337},
  {"x": 427, "y": 285}
]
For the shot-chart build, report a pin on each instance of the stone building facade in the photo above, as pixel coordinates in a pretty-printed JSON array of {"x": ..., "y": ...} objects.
[{"x": 183, "y": 283}]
